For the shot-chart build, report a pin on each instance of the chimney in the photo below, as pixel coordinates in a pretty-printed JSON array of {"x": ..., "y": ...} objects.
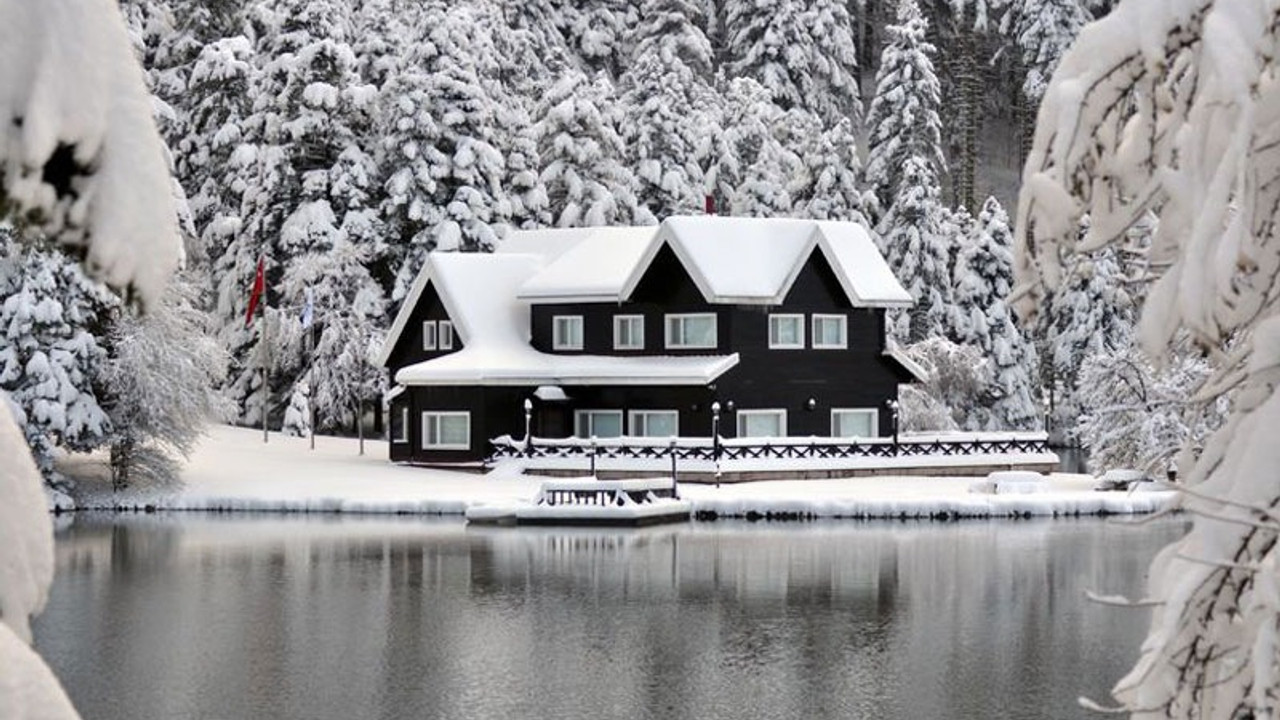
[{"x": 710, "y": 202}]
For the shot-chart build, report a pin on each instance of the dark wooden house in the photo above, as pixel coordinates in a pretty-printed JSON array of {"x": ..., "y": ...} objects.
[{"x": 637, "y": 331}]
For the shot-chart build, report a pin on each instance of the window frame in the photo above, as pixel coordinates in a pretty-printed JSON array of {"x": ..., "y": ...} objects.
[
  {"x": 429, "y": 335},
  {"x": 444, "y": 335},
  {"x": 799, "y": 320},
  {"x": 875, "y": 421},
  {"x": 578, "y": 416},
  {"x": 442, "y": 414},
  {"x": 844, "y": 331},
  {"x": 670, "y": 319},
  {"x": 742, "y": 414},
  {"x": 633, "y": 415},
  {"x": 618, "y": 322},
  {"x": 558, "y": 342}
]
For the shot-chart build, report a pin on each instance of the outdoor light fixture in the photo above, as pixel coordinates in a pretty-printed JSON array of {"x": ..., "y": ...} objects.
[{"x": 811, "y": 404}]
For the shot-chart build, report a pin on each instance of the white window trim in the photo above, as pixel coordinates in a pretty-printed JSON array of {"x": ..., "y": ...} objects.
[
  {"x": 633, "y": 414},
  {"x": 761, "y": 411},
  {"x": 426, "y": 441},
  {"x": 429, "y": 335},
  {"x": 580, "y": 415},
  {"x": 557, "y": 342},
  {"x": 403, "y": 436},
  {"x": 618, "y": 321},
  {"x": 875, "y": 420},
  {"x": 844, "y": 332},
  {"x": 799, "y": 318},
  {"x": 668, "y": 324},
  {"x": 444, "y": 335}
]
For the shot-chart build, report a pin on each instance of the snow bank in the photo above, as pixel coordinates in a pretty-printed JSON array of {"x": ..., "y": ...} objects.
[
  {"x": 28, "y": 688},
  {"x": 26, "y": 533}
]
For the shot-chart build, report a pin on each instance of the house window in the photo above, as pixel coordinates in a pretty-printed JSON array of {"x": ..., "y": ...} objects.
[
  {"x": 854, "y": 422},
  {"x": 654, "y": 423},
  {"x": 446, "y": 430},
  {"x": 597, "y": 423},
  {"x": 786, "y": 332},
  {"x": 400, "y": 425},
  {"x": 566, "y": 332},
  {"x": 429, "y": 335},
  {"x": 691, "y": 331},
  {"x": 830, "y": 332},
  {"x": 762, "y": 423},
  {"x": 445, "y": 335},
  {"x": 628, "y": 332}
]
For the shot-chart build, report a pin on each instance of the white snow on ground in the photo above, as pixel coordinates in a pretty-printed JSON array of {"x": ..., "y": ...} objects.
[{"x": 233, "y": 470}]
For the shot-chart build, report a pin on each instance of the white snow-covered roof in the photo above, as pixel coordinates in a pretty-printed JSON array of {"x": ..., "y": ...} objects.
[
  {"x": 595, "y": 269},
  {"x": 510, "y": 365},
  {"x": 478, "y": 293},
  {"x": 907, "y": 363},
  {"x": 732, "y": 260}
]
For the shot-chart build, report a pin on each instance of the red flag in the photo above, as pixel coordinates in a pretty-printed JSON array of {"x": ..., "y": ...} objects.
[{"x": 259, "y": 282}]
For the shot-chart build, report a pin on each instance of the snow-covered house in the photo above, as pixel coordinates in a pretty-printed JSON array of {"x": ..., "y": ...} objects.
[{"x": 639, "y": 330}]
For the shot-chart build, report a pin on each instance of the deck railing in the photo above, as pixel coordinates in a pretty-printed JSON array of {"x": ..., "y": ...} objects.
[{"x": 721, "y": 449}]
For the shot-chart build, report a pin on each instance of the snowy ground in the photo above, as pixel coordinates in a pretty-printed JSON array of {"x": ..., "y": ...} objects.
[{"x": 234, "y": 470}]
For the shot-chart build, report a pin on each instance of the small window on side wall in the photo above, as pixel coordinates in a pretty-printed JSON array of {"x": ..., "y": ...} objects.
[
  {"x": 566, "y": 332},
  {"x": 855, "y": 422},
  {"x": 830, "y": 332},
  {"x": 400, "y": 424},
  {"x": 446, "y": 430},
  {"x": 445, "y": 339},
  {"x": 429, "y": 335}
]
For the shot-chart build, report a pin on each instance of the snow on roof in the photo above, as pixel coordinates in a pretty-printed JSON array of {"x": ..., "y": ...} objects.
[
  {"x": 522, "y": 365},
  {"x": 862, "y": 271},
  {"x": 911, "y": 366},
  {"x": 596, "y": 268},
  {"x": 478, "y": 292},
  {"x": 736, "y": 260}
]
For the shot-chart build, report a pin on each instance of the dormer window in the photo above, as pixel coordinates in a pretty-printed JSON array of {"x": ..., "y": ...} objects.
[
  {"x": 566, "y": 332},
  {"x": 445, "y": 333},
  {"x": 786, "y": 332},
  {"x": 429, "y": 335}
]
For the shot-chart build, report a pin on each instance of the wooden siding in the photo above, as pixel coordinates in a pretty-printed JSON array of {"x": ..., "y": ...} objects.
[{"x": 408, "y": 349}]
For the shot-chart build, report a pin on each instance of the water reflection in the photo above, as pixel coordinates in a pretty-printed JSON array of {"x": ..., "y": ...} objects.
[{"x": 321, "y": 618}]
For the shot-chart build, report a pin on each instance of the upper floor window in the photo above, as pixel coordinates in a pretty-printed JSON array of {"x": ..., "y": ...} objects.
[
  {"x": 445, "y": 335},
  {"x": 786, "y": 332},
  {"x": 429, "y": 335},
  {"x": 691, "y": 331},
  {"x": 830, "y": 331},
  {"x": 566, "y": 332},
  {"x": 628, "y": 332}
]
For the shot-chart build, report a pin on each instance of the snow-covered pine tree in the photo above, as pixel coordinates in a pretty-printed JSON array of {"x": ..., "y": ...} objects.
[
  {"x": 52, "y": 362},
  {"x": 160, "y": 385},
  {"x": 584, "y": 170},
  {"x": 1043, "y": 30},
  {"x": 981, "y": 317},
  {"x": 598, "y": 32},
  {"x": 835, "y": 190},
  {"x": 443, "y": 171},
  {"x": 668, "y": 106},
  {"x": 902, "y": 121},
  {"x": 916, "y": 237},
  {"x": 802, "y": 51},
  {"x": 757, "y": 167}
]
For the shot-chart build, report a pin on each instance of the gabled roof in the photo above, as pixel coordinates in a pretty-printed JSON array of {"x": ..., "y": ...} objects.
[
  {"x": 732, "y": 260},
  {"x": 477, "y": 292}
]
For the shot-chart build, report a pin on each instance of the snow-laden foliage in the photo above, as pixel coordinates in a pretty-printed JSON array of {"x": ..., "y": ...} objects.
[
  {"x": 916, "y": 237},
  {"x": 1135, "y": 415},
  {"x": 667, "y": 92},
  {"x": 599, "y": 33},
  {"x": 53, "y": 324},
  {"x": 903, "y": 119},
  {"x": 1043, "y": 29},
  {"x": 835, "y": 190},
  {"x": 160, "y": 383},
  {"x": 957, "y": 381},
  {"x": 758, "y": 168},
  {"x": 584, "y": 175},
  {"x": 982, "y": 318},
  {"x": 1171, "y": 107},
  {"x": 801, "y": 51}
]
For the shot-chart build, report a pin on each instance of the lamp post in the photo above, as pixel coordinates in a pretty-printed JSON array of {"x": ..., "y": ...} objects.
[
  {"x": 528, "y": 417},
  {"x": 893, "y": 410},
  {"x": 715, "y": 438}
]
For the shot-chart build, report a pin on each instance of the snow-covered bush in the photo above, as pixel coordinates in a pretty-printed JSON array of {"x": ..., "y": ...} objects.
[{"x": 1171, "y": 107}]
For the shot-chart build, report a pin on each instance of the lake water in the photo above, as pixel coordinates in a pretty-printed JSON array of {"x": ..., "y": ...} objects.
[{"x": 305, "y": 617}]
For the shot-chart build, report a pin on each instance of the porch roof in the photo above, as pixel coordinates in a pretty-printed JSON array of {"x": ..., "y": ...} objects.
[{"x": 526, "y": 366}]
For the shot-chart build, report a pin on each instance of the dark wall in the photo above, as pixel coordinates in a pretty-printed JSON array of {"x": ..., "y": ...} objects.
[{"x": 408, "y": 348}]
